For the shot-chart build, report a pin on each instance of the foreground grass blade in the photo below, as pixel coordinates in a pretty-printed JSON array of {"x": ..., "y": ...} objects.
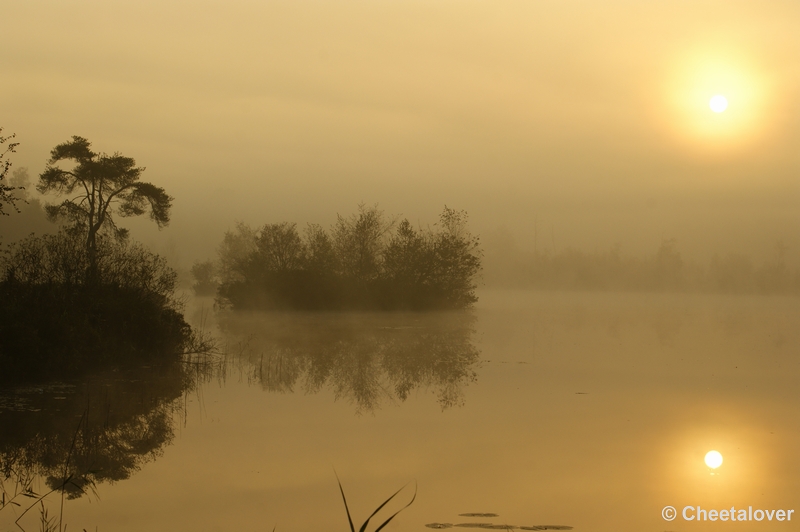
[
  {"x": 398, "y": 511},
  {"x": 378, "y": 509},
  {"x": 352, "y": 528},
  {"x": 364, "y": 526}
]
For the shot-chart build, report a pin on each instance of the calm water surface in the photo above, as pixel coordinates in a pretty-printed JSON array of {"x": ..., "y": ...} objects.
[{"x": 583, "y": 410}]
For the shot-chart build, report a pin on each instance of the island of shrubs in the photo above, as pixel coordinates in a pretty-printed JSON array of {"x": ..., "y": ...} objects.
[{"x": 365, "y": 262}]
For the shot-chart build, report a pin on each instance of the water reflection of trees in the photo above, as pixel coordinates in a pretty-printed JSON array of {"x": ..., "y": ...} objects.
[
  {"x": 102, "y": 429},
  {"x": 365, "y": 358}
]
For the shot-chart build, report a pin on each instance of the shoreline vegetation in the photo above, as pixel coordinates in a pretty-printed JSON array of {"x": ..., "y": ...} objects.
[
  {"x": 86, "y": 298},
  {"x": 56, "y": 322},
  {"x": 365, "y": 262}
]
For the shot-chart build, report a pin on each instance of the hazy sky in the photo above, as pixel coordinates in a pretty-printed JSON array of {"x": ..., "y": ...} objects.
[{"x": 591, "y": 117}]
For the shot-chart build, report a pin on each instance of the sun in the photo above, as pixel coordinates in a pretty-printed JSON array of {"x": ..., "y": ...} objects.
[
  {"x": 718, "y": 103},
  {"x": 713, "y": 459},
  {"x": 715, "y": 99}
]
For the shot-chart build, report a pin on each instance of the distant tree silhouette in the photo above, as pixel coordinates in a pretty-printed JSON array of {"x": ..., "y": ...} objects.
[
  {"x": 320, "y": 254},
  {"x": 664, "y": 271},
  {"x": 358, "y": 241},
  {"x": 204, "y": 273},
  {"x": 105, "y": 184},
  {"x": 6, "y": 192},
  {"x": 774, "y": 275},
  {"x": 279, "y": 247},
  {"x": 432, "y": 269},
  {"x": 234, "y": 250},
  {"x": 667, "y": 269}
]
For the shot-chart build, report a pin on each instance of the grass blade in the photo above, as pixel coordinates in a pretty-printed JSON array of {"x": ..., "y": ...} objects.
[
  {"x": 378, "y": 509},
  {"x": 398, "y": 511},
  {"x": 352, "y": 528},
  {"x": 364, "y": 526}
]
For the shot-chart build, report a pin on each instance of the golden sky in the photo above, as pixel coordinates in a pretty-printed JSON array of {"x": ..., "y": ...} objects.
[{"x": 590, "y": 117}]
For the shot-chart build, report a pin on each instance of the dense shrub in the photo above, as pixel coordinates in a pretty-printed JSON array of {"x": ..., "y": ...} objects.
[
  {"x": 366, "y": 262},
  {"x": 53, "y": 321}
]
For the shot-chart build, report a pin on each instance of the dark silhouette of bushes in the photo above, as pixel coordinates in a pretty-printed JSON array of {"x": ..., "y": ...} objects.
[
  {"x": 54, "y": 322},
  {"x": 363, "y": 263}
]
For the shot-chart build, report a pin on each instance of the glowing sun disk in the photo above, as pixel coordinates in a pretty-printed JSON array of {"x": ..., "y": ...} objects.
[
  {"x": 713, "y": 459},
  {"x": 718, "y": 103},
  {"x": 716, "y": 100}
]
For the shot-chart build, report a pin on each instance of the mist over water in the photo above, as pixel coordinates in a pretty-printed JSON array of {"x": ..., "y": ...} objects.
[{"x": 583, "y": 410}]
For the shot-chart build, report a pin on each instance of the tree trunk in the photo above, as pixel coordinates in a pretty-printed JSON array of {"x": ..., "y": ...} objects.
[{"x": 92, "y": 271}]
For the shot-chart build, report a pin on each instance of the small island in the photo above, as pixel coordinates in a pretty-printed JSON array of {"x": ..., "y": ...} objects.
[{"x": 365, "y": 262}]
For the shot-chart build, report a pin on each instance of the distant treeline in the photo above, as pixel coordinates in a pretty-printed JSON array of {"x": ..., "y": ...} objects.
[
  {"x": 364, "y": 262},
  {"x": 666, "y": 270}
]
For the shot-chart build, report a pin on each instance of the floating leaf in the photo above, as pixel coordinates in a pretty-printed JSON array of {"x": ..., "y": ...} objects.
[{"x": 546, "y": 527}]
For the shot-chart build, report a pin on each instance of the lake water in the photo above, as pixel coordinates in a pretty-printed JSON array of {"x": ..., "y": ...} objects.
[{"x": 592, "y": 411}]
